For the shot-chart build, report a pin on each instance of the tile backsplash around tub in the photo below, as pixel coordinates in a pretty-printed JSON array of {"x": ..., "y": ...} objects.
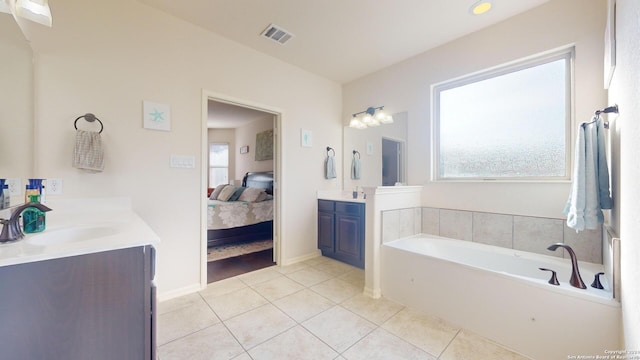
[{"x": 526, "y": 233}]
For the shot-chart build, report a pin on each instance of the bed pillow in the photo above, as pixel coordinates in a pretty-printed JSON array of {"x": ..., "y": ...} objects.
[
  {"x": 236, "y": 194},
  {"x": 262, "y": 197},
  {"x": 216, "y": 192},
  {"x": 226, "y": 193},
  {"x": 251, "y": 194}
]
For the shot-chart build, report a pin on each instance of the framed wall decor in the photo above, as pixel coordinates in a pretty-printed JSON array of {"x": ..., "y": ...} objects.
[
  {"x": 156, "y": 116},
  {"x": 306, "y": 138},
  {"x": 244, "y": 149},
  {"x": 610, "y": 43},
  {"x": 264, "y": 145}
]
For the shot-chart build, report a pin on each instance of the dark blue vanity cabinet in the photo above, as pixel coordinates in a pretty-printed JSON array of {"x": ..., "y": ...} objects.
[
  {"x": 341, "y": 231},
  {"x": 91, "y": 306}
]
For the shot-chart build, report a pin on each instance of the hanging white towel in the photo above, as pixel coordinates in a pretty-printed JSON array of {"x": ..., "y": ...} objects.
[
  {"x": 355, "y": 168},
  {"x": 330, "y": 167},
  {"x": 590, "y": 188},
  {"x": 88, "y": 153}
]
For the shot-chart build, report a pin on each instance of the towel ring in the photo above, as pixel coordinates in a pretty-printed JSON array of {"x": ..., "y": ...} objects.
[
  {"x": 330, "y": 149},
  {"x": 90, "y": 118},
  {"x": 356, "y": 152}
]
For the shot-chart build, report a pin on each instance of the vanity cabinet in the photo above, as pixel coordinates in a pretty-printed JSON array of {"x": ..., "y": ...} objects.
[
  {"x": 91, "y": 306},
  {"x": 341, "y": 231}
]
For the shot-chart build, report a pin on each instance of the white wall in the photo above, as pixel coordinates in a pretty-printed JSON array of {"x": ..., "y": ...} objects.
[
  {"x": 227, "y": 136},
  {"x": 246, "y": 135},
  {"x": 106, "y": 57},
  {"x": 406, "y": 87},
  {"x": 625, "y": 147},
  {"x": 16, "y": 102}
]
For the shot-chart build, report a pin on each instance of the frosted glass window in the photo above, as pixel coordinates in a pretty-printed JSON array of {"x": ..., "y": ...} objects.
[
  {"x": 218, "y": 164},
  {"x": 507, "y": 123}
]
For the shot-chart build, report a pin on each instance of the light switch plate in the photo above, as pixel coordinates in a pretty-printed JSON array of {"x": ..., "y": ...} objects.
[
  {"x": 182, "y": 161},
  {"x": 369, "y": 148}
]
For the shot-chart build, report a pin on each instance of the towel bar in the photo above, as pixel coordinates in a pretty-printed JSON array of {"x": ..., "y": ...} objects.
[
  {"x": 90, "y": 118},
  {"x": 330, "y": 149},
  {"x": 607, "y": 110}
]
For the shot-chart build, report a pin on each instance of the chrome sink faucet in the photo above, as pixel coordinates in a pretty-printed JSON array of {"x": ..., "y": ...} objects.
[
  {"x": 11, "y": 228},
  {"x": 576, "y": 280}
]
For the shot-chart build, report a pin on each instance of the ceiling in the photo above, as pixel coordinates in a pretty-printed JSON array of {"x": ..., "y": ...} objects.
[
  {"x": 341, "y": 40},
  {"x": 226, "y": 116}
]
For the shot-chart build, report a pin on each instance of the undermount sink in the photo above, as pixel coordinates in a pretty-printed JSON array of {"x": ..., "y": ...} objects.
[{"x": 69, "y": 235}]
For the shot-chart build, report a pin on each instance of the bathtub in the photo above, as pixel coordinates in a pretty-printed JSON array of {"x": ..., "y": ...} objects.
[{"x": 501, "y": 294}]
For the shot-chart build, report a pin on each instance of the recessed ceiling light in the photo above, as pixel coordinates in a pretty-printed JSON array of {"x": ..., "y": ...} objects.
[{"x": 480, "y": 7}]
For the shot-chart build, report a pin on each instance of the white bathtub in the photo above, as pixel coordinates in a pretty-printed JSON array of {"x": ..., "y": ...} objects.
[{"x": 501, "y": 294}]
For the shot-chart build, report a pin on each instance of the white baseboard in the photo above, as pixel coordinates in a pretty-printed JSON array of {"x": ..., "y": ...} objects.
[
  {"x": 297, "y": 259},
  {"x": 372, "y": 293},
  {"x": 168, "y": 295}
]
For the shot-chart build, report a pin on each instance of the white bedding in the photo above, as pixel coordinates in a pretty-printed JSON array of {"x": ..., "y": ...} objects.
[{"x": 230, "y": 214}]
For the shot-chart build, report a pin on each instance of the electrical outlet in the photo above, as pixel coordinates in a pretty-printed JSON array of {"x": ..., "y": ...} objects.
[
  {"x": 53, "y": 187},
  {"x": 15, "y": 186}
]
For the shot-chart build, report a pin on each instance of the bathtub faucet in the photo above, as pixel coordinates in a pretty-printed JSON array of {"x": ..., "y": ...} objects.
[{"x": 576, "y": 280}]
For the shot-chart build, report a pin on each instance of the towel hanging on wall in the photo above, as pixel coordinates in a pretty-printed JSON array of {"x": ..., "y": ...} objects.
[
  {"x": 330, "y": 164},
  {"x": 590, "y": 187},
  {"x": 355, "y": 166},
  {"x": 88, "y": 153}
]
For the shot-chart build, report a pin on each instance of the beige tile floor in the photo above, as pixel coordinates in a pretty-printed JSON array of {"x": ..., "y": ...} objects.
[{"x": 311, "y": 310}]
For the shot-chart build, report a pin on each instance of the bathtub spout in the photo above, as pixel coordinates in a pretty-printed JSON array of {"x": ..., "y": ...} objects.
[{"x": 576, "y": 280}]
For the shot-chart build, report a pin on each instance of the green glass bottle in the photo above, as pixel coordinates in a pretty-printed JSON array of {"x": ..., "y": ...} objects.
[{"x": 33, "y": 220}]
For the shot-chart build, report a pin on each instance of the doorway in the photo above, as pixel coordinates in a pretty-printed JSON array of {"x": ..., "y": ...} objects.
[
  {"x": 242, "y": 127},
  {"x": 392, "y": 162}
]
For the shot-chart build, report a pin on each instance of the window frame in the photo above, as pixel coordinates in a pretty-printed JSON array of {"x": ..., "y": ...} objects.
[
  {"x": 219, "y": 167},
  {"x": 566, "y": 53}
]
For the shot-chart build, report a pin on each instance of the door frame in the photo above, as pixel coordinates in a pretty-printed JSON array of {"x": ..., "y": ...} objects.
[{"x": 277, "y": 174}]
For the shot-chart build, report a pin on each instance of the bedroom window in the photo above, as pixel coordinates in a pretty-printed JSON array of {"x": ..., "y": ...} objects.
[
  {"x": 218, "y": 164},
  {"x": 508, "y": 123}
]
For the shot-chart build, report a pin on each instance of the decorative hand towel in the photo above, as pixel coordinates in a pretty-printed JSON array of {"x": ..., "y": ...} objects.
[
  {"x": 590, "y": 187},
  {"x": 88, "y": 153},
  {"x": 355, "y": 168},
  {"x": 330, "y": 167},
  {"x": 604, "y": 192}
]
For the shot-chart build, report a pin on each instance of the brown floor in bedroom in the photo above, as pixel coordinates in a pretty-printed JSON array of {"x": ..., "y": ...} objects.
[{"x": 226, "y": 268}]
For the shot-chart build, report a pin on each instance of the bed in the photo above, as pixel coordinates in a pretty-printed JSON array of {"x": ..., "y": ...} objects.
[{"x": 241, "y": 220}]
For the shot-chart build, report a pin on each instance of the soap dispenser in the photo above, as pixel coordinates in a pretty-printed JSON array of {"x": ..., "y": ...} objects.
[
  {"x": 5, "y": 196},
  {"x": 33, "y": 220}
]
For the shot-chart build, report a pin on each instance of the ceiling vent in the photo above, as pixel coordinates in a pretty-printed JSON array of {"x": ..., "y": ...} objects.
[{"x": 277, "y": 34}]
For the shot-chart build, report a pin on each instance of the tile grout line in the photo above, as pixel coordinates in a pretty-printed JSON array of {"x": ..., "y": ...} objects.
[
  {"x": 269, "y": 302},
  {"x": 449, "y": 343}
]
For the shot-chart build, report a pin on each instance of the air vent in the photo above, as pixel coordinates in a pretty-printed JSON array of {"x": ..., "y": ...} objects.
[{"x": 277, "y": 34}]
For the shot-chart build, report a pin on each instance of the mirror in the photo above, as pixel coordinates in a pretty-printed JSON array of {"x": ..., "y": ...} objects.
[
  {"x": 382, "y": 150},
  {"x": 16, "y": 102}
]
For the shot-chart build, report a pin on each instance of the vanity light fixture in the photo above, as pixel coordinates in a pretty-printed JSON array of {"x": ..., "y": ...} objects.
[
  {"x": 4, "y": 7},
  {"x": 480, "y": 7},
  {"x": 34, "y": 10},
  {"x": 373, "y": 116}
]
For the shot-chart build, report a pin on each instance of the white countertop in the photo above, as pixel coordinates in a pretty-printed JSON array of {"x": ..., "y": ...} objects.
[
  {"x": 98, "y": 224},
  {"x": 340, "y": 196}
]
